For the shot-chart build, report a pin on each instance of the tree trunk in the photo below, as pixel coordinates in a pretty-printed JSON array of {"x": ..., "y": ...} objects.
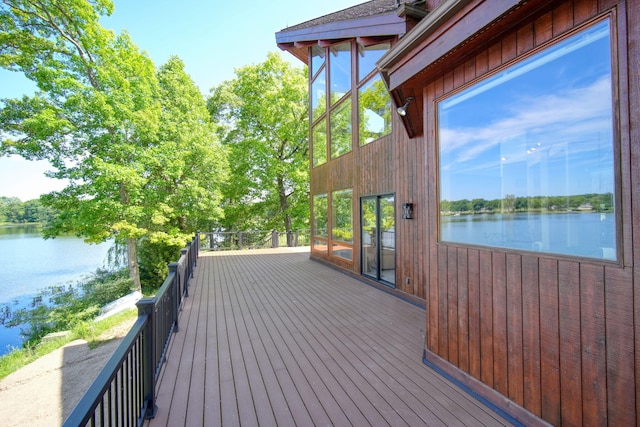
[
  {"x": 132, "y": 263},
  {"x": 284, "y": 208},
  {"x": 132, "y": 246}
]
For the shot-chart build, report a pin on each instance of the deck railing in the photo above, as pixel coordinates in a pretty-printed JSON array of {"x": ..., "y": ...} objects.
[
  {"x": 124, "y": 391},
  {"x": 233, "y": 240}
]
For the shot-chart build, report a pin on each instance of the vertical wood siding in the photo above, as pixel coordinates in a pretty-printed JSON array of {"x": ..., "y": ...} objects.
[
  {"x": 554, "y": 335},
  {"x": 395, "y": 165},
  {"x": 391, "y": 165}
]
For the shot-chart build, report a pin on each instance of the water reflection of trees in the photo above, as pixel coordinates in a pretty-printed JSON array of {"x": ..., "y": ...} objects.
[
  {"x": 340, "y": 122},
  {"x": 341, "y": 207},
  {"x": 320, "y": 215},
  {"x": 597, "y": 202},
  {"x": 374, "y": 111}
]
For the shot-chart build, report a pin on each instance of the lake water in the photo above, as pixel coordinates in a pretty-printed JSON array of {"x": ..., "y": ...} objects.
[
  {"x": 29, "y": 263},
  {"x": 585, "y": 234}
]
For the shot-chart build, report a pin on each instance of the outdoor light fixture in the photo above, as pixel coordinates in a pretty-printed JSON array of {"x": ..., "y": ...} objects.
[
  {"x": 403, "y": 110},
  {"x": 407, "y": 211}
]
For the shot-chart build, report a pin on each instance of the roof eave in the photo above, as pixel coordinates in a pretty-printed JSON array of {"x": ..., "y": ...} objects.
[
  {"x": 443, "y": 12},
  {"x": 376, "y": 25},
  {"x": 387, "y": 24},
  {"x": 453, "y": 26}
]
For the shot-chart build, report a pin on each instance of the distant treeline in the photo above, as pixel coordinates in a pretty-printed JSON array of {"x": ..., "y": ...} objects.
[
  {"x": 13, "y": 210},
  {"x": 602, "y": 202}
]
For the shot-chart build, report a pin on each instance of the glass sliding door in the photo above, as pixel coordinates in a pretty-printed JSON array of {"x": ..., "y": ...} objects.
[
  {"x": 369, "y": 241},
  {"x": 387, "y": 214},
  {"x": 378, "y": 238}
]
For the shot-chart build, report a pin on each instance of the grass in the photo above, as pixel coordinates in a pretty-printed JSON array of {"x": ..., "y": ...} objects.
[{"x": 88, "y": 331}]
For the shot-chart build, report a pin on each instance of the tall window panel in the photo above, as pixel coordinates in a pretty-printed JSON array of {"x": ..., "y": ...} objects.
[
  {"x": 374, "y": 111},
  {"x": 319, "y": 146},
  {"x": 320, "y": 222},
  {"x": 341, "y": 129},
  {"x": 339, "y": 71},
  {"x": 367, "y": 58},
  {"x": 342, "y": 223}
]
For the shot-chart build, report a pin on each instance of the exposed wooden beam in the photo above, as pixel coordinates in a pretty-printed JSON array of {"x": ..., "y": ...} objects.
[
  {"x": 301, "y": 53},
  {"x": 286, "y": 46},
  {"x": 329, "y": 43},
  {"x": 370, "y": 41},
  {"x": 305, "y": 43}
]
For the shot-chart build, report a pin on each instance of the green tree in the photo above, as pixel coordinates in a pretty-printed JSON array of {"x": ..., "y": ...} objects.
[
  {"x": 509, "y": 203},
  {"x": 186, "y": 169},
  {"x": 187, "y": 165},
  {"x": 445, "y": 206},
  {"x": 478, "y": 205},
  {"x": 10, "y": 209},
  {"x": 264, "y": 117},
  {"x": 97, "y": 119}
]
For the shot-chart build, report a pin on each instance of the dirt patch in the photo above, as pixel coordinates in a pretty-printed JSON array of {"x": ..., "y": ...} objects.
[{"x": 45, "y": 392}]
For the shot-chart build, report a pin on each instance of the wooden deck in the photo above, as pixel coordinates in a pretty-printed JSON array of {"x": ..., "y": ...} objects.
[{"x": 270, "y": 338}]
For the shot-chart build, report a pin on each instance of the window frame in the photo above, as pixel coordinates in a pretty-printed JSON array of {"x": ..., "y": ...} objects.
[
  {"x": 318, "y": 239},
  {"x": 332, "y": 105},
  {"x": 333, "y": 240},
  {"x": 370, "y": 79},
  {"x": 616, "y": 120}
]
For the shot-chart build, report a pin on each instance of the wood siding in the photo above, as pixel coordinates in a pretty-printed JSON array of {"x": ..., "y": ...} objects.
[
  {"x": 394, "y": 165},
  {"x": 554, "y": 335}
]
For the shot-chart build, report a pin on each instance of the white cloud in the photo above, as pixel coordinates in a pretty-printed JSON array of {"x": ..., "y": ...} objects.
[{"x": 578, "y": 115}]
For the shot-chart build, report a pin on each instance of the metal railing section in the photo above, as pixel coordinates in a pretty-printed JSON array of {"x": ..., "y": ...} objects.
[
  {"x": 234, "y": 240},
  {"x": 123, "y": 394}
]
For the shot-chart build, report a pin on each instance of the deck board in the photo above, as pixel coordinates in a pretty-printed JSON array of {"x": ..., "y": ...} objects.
[{"x": 272, "y": 338}]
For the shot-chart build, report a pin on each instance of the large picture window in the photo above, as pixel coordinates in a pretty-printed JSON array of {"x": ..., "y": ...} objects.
[
  {"x": 334, "y": 84},
  {"x": 526, "y": 156}
]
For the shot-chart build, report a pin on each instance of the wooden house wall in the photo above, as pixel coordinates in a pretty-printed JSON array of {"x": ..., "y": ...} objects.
[
  {"x": 391, "y": 165},
  {"x": 557, "y": 336}
]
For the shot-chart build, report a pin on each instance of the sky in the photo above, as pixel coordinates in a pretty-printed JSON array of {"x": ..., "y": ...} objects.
[
  {"x": 542, "y": 127},
  {"x": 213, "y": 38}
]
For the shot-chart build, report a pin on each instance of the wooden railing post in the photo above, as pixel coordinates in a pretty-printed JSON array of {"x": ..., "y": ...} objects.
[
  {"x": 147, "y": 306},
  {"x": 274, "y": 239},
  {"x": 295, "y": 237},
  {"x": 239, "y": 239},
  {"x": 211, "y": 245},
  {"x": 175, "y": 294}
]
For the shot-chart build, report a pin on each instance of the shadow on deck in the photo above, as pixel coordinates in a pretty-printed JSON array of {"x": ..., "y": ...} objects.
[{"x": 270, "y": 337}]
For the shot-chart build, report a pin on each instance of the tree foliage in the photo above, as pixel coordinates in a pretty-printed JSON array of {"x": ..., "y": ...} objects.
[
  {"x": 263, "y": 117},
  {"x": 600, "y": 202},
  {"x": 13, "y": 210},
  {"x": 188, "y": 164},
  {"x": 132, "y": 144}
]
